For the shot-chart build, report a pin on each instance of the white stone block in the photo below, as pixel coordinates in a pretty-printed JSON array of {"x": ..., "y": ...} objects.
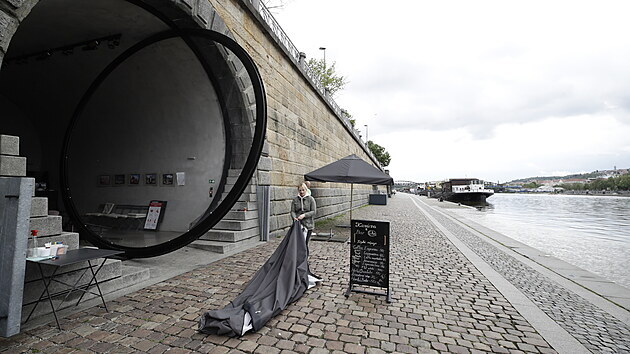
[
  {"x": 9, "y": 145},
  {"x": 14, "y": 166}
]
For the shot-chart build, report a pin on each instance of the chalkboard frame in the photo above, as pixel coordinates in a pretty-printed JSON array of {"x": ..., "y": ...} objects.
[{"x": 375, "y": 235}]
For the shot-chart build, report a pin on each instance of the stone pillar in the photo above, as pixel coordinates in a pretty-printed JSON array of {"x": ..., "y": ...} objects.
[{"x": 16, "y": 194}]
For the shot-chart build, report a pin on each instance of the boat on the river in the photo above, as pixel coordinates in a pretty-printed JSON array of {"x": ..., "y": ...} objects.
[{"x": 464, "y": 190}]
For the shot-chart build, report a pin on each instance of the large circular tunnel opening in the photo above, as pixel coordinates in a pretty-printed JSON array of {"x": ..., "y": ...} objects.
[{"x": 143, "y": 133}]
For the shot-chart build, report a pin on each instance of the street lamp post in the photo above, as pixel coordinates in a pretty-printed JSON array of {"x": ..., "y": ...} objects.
[
  {"x": 324, "y": 50},
  {"x": 366, "y": 133}
]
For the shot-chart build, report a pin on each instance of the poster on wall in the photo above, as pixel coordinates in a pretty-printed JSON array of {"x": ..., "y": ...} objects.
[
  {"x": 167, "y": 179},
  {"x": 104, "y": 180},
  {"x": 181, "y": 178},
  {"x": 134, "y": 178},
  {"x": 119, "y": 180},
  {"x": 155, "y": 214},
  {"x": 150, "y": 179}
]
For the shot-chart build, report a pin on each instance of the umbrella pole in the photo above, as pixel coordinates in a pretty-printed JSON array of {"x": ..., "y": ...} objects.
[{"x": 351, "y": 190}]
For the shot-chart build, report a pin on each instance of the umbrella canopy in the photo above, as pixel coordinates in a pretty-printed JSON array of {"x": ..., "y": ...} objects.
[{"x": 350, "y": 169}]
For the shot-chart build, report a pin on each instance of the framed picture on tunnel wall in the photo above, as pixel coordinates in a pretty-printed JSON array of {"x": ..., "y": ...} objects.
[
  {"x": 134, "y": 179},
  {"x": 119, "y": 180},
  {"x": 150, "y": 179},
  {"x": 167, "y": 179},
  {"x": 104, "y": 180}
]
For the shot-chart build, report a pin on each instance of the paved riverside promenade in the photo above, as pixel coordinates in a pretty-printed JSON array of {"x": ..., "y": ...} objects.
[{"x": 454, "y": 290}]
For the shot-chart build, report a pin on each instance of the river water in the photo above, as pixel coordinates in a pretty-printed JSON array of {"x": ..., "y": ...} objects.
[{"x": 591, "y": 232}]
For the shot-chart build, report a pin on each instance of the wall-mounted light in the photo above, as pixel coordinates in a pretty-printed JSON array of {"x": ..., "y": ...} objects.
[
  {"x": 44, "y": 55},
  {"x": 113, "y": 41},
  {"x": 91, "y": 45}
]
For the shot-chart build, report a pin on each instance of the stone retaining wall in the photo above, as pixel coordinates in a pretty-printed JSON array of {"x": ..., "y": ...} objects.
[{"x": 303, "y": 131}]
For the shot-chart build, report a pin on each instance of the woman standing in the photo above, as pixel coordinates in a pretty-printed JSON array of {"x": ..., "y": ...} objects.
[{"x": 303, "y": 208}]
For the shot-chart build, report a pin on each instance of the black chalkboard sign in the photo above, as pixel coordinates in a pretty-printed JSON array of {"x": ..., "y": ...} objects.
[{"x": 369, "y": 255}]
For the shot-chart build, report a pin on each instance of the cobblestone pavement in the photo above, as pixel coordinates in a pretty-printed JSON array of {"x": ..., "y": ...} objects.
[
  {"x": 441, "y": 303},
  {"x": 597, "y": 330}
]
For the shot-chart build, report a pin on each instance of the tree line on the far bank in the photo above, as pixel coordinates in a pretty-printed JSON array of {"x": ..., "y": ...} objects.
[{"x": 621, "y": 183}]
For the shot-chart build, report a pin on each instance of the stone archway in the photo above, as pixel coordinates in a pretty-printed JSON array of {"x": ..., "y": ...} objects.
[{"x": 126, "y": 92}]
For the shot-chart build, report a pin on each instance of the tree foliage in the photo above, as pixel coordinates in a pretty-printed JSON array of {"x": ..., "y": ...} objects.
[
  {"x": 379, "y": 152},
  {"x": 603, "y": 184},
  {"x": 531, "y": 185},
  {"x": 348, "y": 116},
  {"x": 331, "y": 81}
]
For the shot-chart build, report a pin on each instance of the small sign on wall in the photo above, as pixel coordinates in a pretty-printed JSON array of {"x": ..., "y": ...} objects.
[
  {"x": 181, "y": 178},
  {"x": 155, "y": 214}
]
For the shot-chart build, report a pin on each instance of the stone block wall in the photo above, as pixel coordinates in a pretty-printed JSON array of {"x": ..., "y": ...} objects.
[{"x": 303, "y": 131}]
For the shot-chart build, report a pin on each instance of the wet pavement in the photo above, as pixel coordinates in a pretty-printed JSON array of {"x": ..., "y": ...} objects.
[{"x": 453, "y": 290}]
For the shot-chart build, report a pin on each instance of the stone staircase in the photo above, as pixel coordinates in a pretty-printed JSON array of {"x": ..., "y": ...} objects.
[
  {"x": 114, "y": 275},
  {"x": 239, "y": 228}
]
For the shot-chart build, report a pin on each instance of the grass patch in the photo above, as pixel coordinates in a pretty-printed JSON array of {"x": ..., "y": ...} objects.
[{"x": 328, "y": 222}]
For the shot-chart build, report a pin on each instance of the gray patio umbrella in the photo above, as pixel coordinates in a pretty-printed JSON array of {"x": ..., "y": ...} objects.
[{"x": 351, "y": 169}]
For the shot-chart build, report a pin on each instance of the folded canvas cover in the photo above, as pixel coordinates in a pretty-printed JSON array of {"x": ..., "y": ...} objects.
[{"x": 279, "y": 282}]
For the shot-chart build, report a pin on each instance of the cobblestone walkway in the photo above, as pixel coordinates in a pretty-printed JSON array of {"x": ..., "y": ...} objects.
[
  {"x": 597, "y": 330},
  {"x": 441, "y": 303}
]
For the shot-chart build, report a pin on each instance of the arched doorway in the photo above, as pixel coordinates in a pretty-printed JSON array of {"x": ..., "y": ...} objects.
[{"x": 120, "y": 104}]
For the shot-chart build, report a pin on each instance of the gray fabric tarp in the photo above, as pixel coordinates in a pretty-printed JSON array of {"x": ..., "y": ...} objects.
[
  {"x": 279, "y": 282},
  {"x": 350, "y": 169}
]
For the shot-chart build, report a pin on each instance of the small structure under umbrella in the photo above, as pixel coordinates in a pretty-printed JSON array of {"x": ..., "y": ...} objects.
[{"x": 351, "y": 169}]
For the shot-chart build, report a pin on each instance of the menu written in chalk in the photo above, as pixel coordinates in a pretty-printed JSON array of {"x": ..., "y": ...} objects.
[{"x": 369, "y": 253}]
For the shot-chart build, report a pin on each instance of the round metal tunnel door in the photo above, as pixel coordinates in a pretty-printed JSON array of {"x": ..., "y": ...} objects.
[{"x": 117, "y": 171}]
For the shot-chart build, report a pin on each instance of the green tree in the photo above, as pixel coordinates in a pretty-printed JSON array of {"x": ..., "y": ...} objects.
[
  {"x": 379, "y": 152},
  {"x": 624, "y": 182},
  {"x": 331, "y": 81},
  {"x": 531, "y": 185},
  {"x": 348, "y": 116}
]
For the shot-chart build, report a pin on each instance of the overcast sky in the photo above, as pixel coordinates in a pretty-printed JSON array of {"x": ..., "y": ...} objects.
[{"x": 497, "y": 90}]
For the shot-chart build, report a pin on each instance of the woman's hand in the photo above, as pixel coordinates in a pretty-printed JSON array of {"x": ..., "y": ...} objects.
[{"x": 300, "y": 217}]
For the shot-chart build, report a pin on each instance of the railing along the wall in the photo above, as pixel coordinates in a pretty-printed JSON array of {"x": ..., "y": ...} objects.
[{"x": 298, "y": 57}]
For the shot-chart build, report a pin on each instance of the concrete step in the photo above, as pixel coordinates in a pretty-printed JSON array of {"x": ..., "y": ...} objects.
[
  {"x": 68, "y": 238},
  {"x": 71, "y": 274},
  {"x": 237, "y": 172},
  {"x": 248, "y": 189},
  {"x": 47, "y": 225},
  {"x": 9, "y": 145},
  {"x": 225, "y": 247},
  {"x": 231, "y": 180},
  {"x": 245, "y": 197},
  {"x": 128, "y": 276},
  {"x": 39, "y": 207},
  {"x": 13, "y": 166},
  {"x": 236, "y": 225},
  {"x": 229, "y": 236},
  {"x": 241, "y": 215},
  {"x": 245, "y": 205}
]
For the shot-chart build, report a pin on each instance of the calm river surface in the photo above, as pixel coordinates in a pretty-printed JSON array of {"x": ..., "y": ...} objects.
[{"x": 590, "y": 232}]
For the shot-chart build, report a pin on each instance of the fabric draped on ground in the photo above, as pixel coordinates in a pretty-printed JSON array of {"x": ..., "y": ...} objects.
[{"x": 279, "y": 282}]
